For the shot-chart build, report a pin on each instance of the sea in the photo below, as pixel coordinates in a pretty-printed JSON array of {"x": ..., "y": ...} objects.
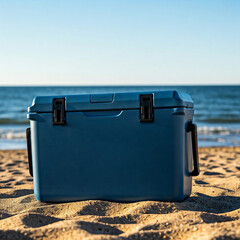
[{"x": 217, "y": 110}]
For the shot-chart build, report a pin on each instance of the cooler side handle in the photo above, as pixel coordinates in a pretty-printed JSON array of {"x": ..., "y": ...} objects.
[
  {"x": 191, "y": 127},
  {"x": 29, "y": 150}
]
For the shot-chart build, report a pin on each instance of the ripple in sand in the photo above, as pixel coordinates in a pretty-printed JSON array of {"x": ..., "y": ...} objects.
[
  {"x": 4, "y": 215},
  {"x": 212, "y": 218},
  {"x": 156, "y": 226},
  {"x": 212, "y": 173},
  {"x": 205, "y": 203},
  {"x": 98, "y": 208},
  {"x": 129, "y": 219},
  {"x": 28, "y": 199},
  {"x": 15, "y": 193},
  {"x": 38, "y": 220},
  {"x": 200, "y": 182},
  {"x": 13, "y": 234},
  {"x": 7, "y": 181},
  {"x": 98, "y": 228}
]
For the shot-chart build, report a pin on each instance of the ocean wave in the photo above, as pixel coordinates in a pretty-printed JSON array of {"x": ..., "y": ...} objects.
[
  {"x": 12, "y": 134},
  {"x": 212, "y": 139},
  {"x": 206, "y": 130},
  {"x": 218, "y": 120},
  {"x": 13, "y": 121}
]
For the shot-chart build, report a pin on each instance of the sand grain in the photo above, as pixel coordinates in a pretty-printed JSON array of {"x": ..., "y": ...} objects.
[{"x": 212, "y": 211}]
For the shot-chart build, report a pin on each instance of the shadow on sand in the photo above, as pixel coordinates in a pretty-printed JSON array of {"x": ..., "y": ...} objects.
[{"x": 205, "y": 203}]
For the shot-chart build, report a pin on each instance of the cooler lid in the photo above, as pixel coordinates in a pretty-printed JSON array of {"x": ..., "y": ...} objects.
[{"x": 112, "y": 101}]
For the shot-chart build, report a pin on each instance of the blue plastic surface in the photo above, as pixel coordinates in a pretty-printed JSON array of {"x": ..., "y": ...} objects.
[
  {"x": 108, "y": 101},
  {"x": 107, "y": 153}
]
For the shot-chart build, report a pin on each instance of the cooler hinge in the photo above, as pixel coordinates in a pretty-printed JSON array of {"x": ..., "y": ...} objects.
[
  {"x": 59, "y": 113},
  {"x": 146, "y": 108}
]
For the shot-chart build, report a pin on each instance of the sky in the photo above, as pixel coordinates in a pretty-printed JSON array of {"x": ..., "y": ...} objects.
[{"x": 119, "y": 42}]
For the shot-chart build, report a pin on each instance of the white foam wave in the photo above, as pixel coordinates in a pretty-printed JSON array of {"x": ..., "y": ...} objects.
[
  {"x": 12, "y": 134},
  {"x": 206, "y": 130}
]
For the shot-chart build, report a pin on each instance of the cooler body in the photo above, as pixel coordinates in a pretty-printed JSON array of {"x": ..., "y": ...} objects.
[{"x": 108, "y": 151}]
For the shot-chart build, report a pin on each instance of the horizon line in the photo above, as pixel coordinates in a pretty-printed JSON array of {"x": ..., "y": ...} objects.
[{"x": 123, "y": 85}]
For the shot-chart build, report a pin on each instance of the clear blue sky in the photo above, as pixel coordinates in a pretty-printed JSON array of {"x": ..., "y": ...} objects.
[{"x": 119, "y": 42}]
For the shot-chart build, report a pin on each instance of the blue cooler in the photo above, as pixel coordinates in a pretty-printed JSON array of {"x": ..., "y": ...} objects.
[{"x": 126, "y": 147}]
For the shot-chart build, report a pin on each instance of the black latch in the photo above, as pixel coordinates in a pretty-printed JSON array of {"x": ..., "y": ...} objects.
[
  {"x": 59, "y": 114},
  {"x": 146, "y": 108}
]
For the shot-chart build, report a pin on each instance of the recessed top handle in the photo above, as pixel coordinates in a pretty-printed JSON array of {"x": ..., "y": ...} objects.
[{"x": 102, "y": 98}]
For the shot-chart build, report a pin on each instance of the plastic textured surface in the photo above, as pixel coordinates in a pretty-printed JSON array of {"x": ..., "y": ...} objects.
[{"x": 107, "y": 153}]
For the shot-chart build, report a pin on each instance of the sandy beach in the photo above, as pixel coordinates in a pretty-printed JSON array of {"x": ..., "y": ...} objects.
[{"x": 211, "y": 212}]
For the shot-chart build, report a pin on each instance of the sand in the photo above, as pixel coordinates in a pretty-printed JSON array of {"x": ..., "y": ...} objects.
[{"x": 212, "y": 211}]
